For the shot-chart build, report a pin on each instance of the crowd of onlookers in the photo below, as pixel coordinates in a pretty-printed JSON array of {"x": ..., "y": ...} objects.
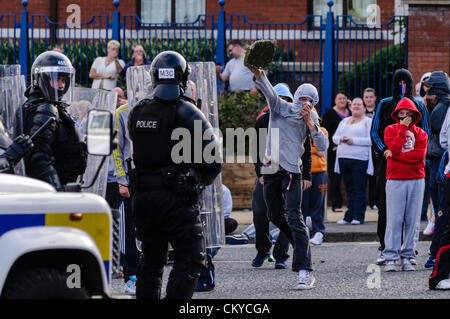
[{"x": 386, "y": 153}]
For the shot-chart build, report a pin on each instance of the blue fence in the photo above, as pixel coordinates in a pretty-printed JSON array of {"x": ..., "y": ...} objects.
[{"x": 336, "y": 54}]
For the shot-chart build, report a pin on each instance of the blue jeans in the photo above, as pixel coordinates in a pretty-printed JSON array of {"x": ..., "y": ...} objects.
[
  {"x": 354, "y": 175},
  {"x": 313, "y": 203},
  {"x": 436, "y": 192},
  {"x": 283, "y": 195}
]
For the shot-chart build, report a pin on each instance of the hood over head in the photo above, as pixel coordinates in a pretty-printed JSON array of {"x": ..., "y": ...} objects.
[
  {"x": 439, "y": 84},
  {"x": 305, "y": 90},
  {"x": 408, "y": 104},
  {"x": 405, "y": 75},
  {"x": 282, "y": 89}
]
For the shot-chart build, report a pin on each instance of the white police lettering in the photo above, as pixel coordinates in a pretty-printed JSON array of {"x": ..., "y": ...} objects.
[
  {"x": 166, "y": 73},
  {"x": 152, "y": 124}
]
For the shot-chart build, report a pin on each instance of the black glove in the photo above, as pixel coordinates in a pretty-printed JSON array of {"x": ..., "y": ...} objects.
[{"x": 21, "y": 145}]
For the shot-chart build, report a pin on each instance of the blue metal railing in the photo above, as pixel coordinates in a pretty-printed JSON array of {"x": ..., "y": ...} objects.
[
  {"x": 299, "y": 50},
  {"x": 81, "y": 45},
  {"x": 8, "y": 38},
  {"x": 368, "y": 56},
  {"x": 337, "y": 54},
  {"x": 194, "y": 40}
]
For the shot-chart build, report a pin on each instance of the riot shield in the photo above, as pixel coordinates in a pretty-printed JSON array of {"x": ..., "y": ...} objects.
[
  {"x": 204, "y": 93},
  {"x": 84, "y": 100},
  {"x": 139, "y": 84},
  {"x": 12, "y": 88}
]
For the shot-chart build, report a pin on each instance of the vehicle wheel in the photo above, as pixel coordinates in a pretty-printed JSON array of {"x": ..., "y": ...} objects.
[{"x": 42, "y": 283}]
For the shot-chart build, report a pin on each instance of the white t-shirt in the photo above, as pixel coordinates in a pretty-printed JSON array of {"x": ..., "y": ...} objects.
[
  {"x": 240, "y": 77},
  {"x": 100, "y": 66},
  {"x": 361, "y": 147}
]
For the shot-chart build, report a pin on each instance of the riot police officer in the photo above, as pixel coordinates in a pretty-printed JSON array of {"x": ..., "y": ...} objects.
[
  {"x": 164, "y": 193},
  {"x": 58, "y": 156}
]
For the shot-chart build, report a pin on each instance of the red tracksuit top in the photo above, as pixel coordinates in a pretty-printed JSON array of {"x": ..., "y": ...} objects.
[{"x": 407, "y": 144}]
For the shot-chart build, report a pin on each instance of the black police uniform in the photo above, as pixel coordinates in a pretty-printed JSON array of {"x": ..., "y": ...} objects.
[
  {"x": 165, "y": 208},
  {"x": 58, "y": 156}
]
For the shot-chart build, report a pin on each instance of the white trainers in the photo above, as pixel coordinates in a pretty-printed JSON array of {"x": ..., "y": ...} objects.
[
  {"x": 342, "y": 222},
  {"x": 443, "y": 284},
  {"x": 317, "y": 239},
  {"x": 381, "y": 260},
  {"x": 306, "y": 280},
  {"x": 130, "y": 285},
  {"x": 406, "y": 265},
  {"x": 355, "y": 222},
  {"x": 429, "y": 230},
  {"x": 390, "y": 266}
]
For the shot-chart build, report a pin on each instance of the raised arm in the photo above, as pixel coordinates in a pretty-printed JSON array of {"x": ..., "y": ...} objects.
[{"x": 274, "y": 101}]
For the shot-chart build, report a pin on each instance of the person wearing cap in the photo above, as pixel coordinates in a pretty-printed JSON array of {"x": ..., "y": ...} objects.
[
  {"x": 291, "y": 123},
  {"x": 313, "y": 201},
  {"x": 354, "y": 160},
  {"x": 420, "y": 92},
  {"x": 406, "y": 148}
]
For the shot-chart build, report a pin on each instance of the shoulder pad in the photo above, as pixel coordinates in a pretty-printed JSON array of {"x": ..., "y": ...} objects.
[
  {"x": 187, "y": 110},
  {"x": 48, "y": 109}
]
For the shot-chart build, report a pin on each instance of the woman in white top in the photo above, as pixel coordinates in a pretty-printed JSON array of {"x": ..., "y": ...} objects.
[
  {"x": 354, "y": 160},
  {"x": 105, "y": 70}
]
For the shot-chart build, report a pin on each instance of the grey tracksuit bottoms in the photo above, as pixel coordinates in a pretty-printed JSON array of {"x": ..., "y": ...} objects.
[{"x": 403, "y": 208}]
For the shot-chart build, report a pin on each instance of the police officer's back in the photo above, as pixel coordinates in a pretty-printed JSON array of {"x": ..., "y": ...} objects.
[
  {"x": 164, "y": 190},
  {"x": 58, "y": 156}
]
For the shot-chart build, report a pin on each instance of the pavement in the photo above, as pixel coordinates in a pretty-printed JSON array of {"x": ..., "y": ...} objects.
[{"x": 366, "y": 232}]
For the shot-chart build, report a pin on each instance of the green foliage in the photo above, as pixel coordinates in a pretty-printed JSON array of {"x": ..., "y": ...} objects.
[
  {"x": 195, "y": 50},
  {"x": 7, "y": 53},
  {"x": 380, "y": 67},
  {"x": 83, "y": 53}
]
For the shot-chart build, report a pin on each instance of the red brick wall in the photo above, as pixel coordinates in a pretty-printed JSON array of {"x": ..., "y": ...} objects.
[
  {"x": 34, "y": 7},
  {"x": 266, "y": 11},
  {"x": 387, "y": 10},
  {"x": 88, "y": 8},
  {"x": 428, "y": 39}
]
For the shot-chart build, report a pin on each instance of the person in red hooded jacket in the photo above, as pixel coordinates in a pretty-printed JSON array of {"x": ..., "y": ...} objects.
[{"x": 405, "y": 174}]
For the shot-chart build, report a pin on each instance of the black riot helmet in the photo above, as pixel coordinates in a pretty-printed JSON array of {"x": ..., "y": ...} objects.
[
  {"x": 169, "y": 72},
  {"x": 53, "y": 76}
]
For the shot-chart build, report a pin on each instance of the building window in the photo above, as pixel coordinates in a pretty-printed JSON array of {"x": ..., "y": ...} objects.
[
  {"x": 163, "y": 11},
  {"x": 358, "y": 9}
]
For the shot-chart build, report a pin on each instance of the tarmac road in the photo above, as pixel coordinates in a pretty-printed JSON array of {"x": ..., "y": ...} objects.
[{"x": 343, "y": 270}]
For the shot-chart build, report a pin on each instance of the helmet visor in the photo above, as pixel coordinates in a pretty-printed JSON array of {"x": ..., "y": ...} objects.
[{"x": 56, "y": 82}]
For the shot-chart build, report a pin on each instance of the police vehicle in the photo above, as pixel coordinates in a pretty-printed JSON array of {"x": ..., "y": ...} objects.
[{"x": 56, "y": 244}]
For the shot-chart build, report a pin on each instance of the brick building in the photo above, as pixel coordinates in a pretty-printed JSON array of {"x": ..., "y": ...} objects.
[{"x": 428, "y": 31}]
